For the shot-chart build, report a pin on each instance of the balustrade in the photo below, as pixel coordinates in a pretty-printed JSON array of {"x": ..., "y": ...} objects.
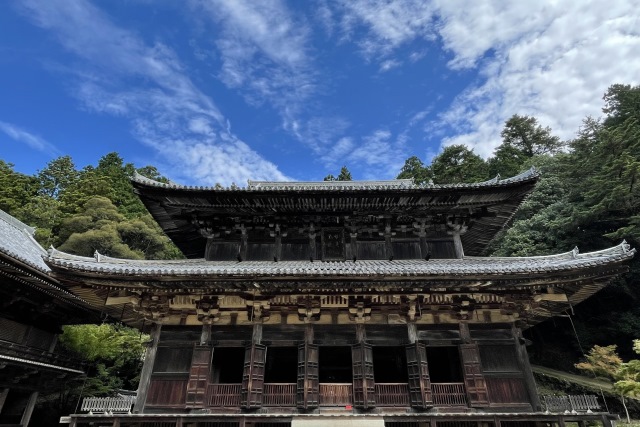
[
  {"x": 392, "y": 394},
  {"x": 448, "y": 394},
  {"x": 228, "y": 395},
  {"x": 108, "y": 405},
  {"x": 279, "y": 394},
  {"x": 336, "y": 394}
]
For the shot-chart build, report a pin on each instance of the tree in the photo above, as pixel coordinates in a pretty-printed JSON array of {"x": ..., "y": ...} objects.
[
  {"x": 115, "y": 352},
  {"x": 57, "y": 176},
  {"x": 414, "y": 169},
  {"x": 522, "y": 138},
  {"x": 604, "y": 362},
  {"x": 458, "y": 164},
  {"x": 15, "y": 189},
  {"x": 344, "y": 175}
]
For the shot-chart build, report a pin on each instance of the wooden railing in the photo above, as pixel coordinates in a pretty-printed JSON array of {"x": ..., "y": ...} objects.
[
  {"x": 9, "y": 348},
  {"x": 336, "y": 394},
  {"x": 108, "y": 405},
  {"x": 448, "y": 394},
  {"x": 579, "y": 403},
  {"x": 392, "y": 394},
  {"x": 228, "y": 395},
  {"x": 279, "y": 394}
]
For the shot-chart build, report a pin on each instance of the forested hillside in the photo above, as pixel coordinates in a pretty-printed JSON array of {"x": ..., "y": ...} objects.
[{"x": 588, "y": 196}]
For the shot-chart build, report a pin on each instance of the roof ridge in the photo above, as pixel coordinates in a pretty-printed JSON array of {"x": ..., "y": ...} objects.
[{"x": 337, "y": 185}]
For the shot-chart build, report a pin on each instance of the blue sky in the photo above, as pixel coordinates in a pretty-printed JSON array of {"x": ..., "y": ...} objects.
[{"x": 224, "y": 91}]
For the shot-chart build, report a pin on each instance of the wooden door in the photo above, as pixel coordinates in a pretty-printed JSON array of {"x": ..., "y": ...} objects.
[
  {"x": 363, "y": 384},
  {"x": 418, "y": 374},
  {"x": 255, "y": 357},
  {"x": 307, "y": 396},
  {"x": 199, "y": 376},
  {"x": 473, "y": 378}
]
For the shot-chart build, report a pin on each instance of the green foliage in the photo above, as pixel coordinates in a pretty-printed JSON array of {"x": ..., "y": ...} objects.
[
  {"x": 457, "y": 164},
  {"x": 522, "y": 139},
  {"x": 57, "y": 176},
  {"x": 15, "y": 188},
  {"x": 414, "y": 168},
  {"x": 344, "y": 175},
  {"x": 116, "y": 353},
  {"x": 100, "y": 227}
]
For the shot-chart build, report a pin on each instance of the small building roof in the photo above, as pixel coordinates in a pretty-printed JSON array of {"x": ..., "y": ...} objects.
[{"x": 17, "y": 241}]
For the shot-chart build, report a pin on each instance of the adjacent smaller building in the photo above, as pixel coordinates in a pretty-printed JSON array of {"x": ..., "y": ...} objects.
[{"x": 33, "y": 308}]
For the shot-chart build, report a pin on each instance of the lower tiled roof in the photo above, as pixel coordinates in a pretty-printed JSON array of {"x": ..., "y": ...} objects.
[{"x": 468, "y": 266}]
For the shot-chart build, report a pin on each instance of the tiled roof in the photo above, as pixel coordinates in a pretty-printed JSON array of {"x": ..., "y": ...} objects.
[
  {"x": 469, "y": 266},
  {"x": 16, "y": 241},
  {"x": 396, "y": 184}
]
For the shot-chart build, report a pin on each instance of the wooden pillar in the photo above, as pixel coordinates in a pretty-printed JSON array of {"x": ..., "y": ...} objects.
[
  {"x": 361, "y": 333},
  {"x": 205, "y": 335},
  {"x": 53, "y": 344},
  {"x": 525, "y": 366},
  {"x": 412, "y": 332},
  {"x": 147, "y": 369},
  {"x": 256, "y": 336},
  {"x": 312, "y": 242},
  {"x": 308, "y": 386},
  {"x": 474, "y": 381},
  {"x": 28, "y": 410},
  {"x": 387, "y": 242},
  {"x": 116, "y": 422},
  {"x": 457, "y": 244},
  {"x": 3, "y": 397},
  {"x": 243, "y": 242}
]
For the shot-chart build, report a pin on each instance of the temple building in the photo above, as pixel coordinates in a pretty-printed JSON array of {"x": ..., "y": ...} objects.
[
  {"x": 337, "y": 303},
  {"x": 33, "y": 307}
]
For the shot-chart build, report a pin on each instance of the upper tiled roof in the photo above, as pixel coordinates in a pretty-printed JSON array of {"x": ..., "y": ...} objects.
[
  {"x": 16, "y": 241},
  {"x": 395, "y": 184},
  {"x": 469, "y": 266}
]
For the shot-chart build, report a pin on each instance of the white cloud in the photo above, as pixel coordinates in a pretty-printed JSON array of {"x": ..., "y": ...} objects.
[
  {"x": 389, "y": 23},
  {"x": 34, "y": 141},
  {"x": 122, "y": 75},
  {"x": 264, "y": 51},
  {"x": 377, "y": 155},
  {"x": 552, "y": 60}
]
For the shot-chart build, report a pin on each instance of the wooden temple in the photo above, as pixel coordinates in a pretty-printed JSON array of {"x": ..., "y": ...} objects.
[
  {"x": 337, "y": 303},
  {"x": 33, "y": 307}
]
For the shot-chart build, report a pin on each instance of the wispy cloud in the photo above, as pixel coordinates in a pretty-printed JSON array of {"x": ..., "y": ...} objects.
[
  {"x": 120, "y": 74},
  {"x": 264, "y": 50},
  {"x": 28, "y": 138},
  {"x": 378, "y": 155},
  {"x": 552, "y": 60}
]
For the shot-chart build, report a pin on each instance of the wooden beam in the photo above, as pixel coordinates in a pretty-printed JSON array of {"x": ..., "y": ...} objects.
[
  {"x": 28, "y": 410},
  {"x": 147, "y": 369},
  {"x": 525, "y": 366}
]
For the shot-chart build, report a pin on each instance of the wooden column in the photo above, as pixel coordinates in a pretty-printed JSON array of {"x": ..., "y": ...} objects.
[
  {"x": 312, "y": 242},
  {"x": 253, "y": 375},
  {"x": 147, "y": 369},
  {"x": 28, "y": 410},
  {"x": 412, "y": 332},
  {"x": 3, "y": 397},
  {"x": 525, "y": 366},
  {"x": 363, "y": 383},
  {"x": 308, "y": 386},
  {"x": 243, "y": 242},
  {"x": 474, "y": 381},
  {"x": 200, "y": 371},
  {"x": 418, "y": 374},
  {"x": 457, "y": 244}
]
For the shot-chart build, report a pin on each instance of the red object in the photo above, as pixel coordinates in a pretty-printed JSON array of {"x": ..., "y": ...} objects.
[{"x": 349, "y": 407}]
